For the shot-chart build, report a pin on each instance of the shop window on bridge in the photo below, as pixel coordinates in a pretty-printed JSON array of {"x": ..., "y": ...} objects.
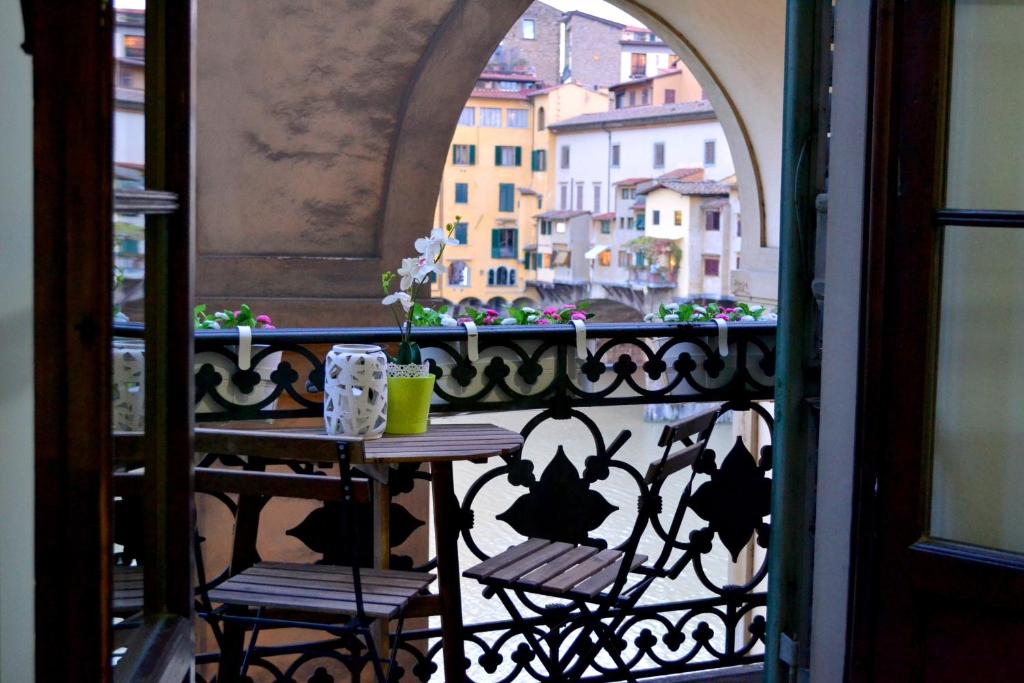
[
  {"x": 458, "y": 274},
  {"x": 505, "y": 243},
  {"x": 462, "y": 232}
]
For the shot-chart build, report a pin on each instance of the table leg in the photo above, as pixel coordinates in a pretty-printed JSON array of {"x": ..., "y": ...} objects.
[{"x": 446, "y": 531}]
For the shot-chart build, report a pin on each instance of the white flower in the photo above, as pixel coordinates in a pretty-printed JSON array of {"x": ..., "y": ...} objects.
[
  {"x": 220, "y": 315},
  {"x": 747, "y": 319},
  {"x": 770, "y": 316},
  {"x": 430, "y": 246},
  {"x": 650, "y": 318},
  {"x": 428, "y": 267},
  {"x": 700, "y": 309},
  {"x": 672, "y": 308},
  {"x": 695, "y": 316},
  {"x": 755, "y": 309},
  {"x": 409, "y": 272},
  {"x": 508, "y": 321},
  {"x": 672, "y": 318},
  {"x": 448, "y": 321},
  {"x": 398, "y": 297},
  {"x": 532, "y": 318},
  {"x": 528, "y": 310}
]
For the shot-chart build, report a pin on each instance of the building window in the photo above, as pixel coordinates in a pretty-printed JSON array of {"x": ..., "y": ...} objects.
[
  {"x": 638, "y": 259},
  {"x": 539, "y": 160},
  {"x": 623, "y": 259},
  {"x": 490, "y": 117},
  {"x": 529, "y": 29},
  {"x": 464, "y": 155},
  {"x": 624, "y": 193},
  {"x": 632, "y": 98},
  {"x": 560, "y": 227},
  {"x": 678, "y": 218},
  {"x": 563, "y": 196},
  {"x": 737, "y": 262},
  {"x": 709, "y": 152},
  {"x": 656, "y": 217},
  {"x": 458, "y": 274},
  {"x": 135, "y": 47},
  {"x": 645, "y": 97},
  {"x": 504, "y": 243},
  {"x": 605, "y": 258},
  {"x": 710, "y": 266},
  {"x": 541, "y": 123},
  {"x": 629, "y": 223},
  {"x": 490, "y": 277},
  {"x": 125, "y": 78},
  {"x": 606, "y": 227},
  {"x": 620, "y": 100},
  {"x": 461, "y": 193},
  {"x": 468, "y": 116},
  {"x": 616, "y": 155},
  {"x": 622, "y": 223},
  {"x": 462, "y": 232},
  {"x": 597, "y": 197},
  {"x": 545, "y": 227},
  {"x": 565, "y": 156},
  {"x": 739, "y": 227},
  {"x": 508, "y": 156},
  {"x": 659, "y": 155},
  {"x": 561, "y": 259},
  {"x": 670, "y": 96},
  {"x": 579, "y": 196},
  {"x": 506, "y": 197},
  {"x": 502, "y": 276},
  {"x": 517, "y": 118},
  {"x": 713, "y": 220},
  {"x": 638, "y": 65}
]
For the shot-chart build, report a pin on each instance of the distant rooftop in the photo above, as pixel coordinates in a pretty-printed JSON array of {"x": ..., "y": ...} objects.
[
  {"x": 694, "y": 174},
  {"x": 561, "y": 215},
  {"x": 637, "y": 81},
  {"x": 631, "y": 181},
  {"x": 495, "y": 94},
  {"x": 591, "y": 17},
  {"x": 699, "y": 110},
  {"x": 705, "y": 188}
]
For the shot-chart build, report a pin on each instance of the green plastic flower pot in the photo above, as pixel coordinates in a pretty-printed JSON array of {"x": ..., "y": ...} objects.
[{"x": 409, "y": 404}]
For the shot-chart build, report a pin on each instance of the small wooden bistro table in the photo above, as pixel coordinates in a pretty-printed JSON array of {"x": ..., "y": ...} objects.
[{"x": 440, "y": 446}]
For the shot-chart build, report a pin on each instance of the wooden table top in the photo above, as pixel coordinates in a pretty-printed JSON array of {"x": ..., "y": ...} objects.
[{"x": 440, "y": 443}]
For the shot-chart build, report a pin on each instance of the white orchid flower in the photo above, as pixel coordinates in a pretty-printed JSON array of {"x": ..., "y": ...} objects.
[
  {"x": 672, "y": 308},
  {"x": 508, "y": 321},
  {"x": 672, "y": 318},
  {"x": 528, "y": 310},
  {"x": 430, "y": 246},
  {"x": 650, "y": 318},
  {"x": 747, "y": 319},
  {"x": 398, "y": 297},
  {"x": 442, "y": 237},
  {"x": 700, "y": 309},
  {"x": 695, "y": 316},
  {"x": 757, "y": 308},
  {"x": 448, "y": 321},
  {"x": 426, "y": 268},
  {"x": 409, "y": 272},
  {"x": 532, "y": 318}
]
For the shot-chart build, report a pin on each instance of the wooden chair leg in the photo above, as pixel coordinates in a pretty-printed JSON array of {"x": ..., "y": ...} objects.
[{"x": 232, "y": 644}]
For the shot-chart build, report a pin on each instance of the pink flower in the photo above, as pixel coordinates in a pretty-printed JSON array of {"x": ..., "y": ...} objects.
[
  {"x": 489, "y": 319},
  {"x": 490, "y": 311},
  {"x": 729, "y": 310},
  {"x": 579, "y": 315},
  {"x": 269, "y": 327},
  {"x": 568, "y": 307},
  {"x": 543, "y": 321},
  {"x": 265, "y": 319},
  {"x": 465, "y": 319},
  {"x": 238, "y": 314},
  {"x": 723, "y": 316},
  {"x": 550, "y": 310}
]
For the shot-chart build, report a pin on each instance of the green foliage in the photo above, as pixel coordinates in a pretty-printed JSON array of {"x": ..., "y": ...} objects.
[{"x": 229, "y": 320}]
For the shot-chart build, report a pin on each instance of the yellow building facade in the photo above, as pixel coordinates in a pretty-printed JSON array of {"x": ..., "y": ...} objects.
[{"x": 499, "y": 174}]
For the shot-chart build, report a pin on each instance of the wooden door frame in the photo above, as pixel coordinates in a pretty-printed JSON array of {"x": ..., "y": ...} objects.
[
  {"x": 72, "y": 49},
  {"x": 897, "y": 570},
  {"x": 72, "y": 122}
]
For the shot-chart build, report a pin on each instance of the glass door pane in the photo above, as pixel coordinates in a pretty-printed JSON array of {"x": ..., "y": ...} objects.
[{"x": 978, "y": 465}]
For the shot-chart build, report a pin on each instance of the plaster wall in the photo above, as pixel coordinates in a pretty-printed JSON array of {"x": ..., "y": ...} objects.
[
  {"x": 17, "y": 590},
  {"x": 592, "y": 51}
]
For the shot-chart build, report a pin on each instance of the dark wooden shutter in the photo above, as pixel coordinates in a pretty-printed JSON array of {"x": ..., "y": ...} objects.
[
  {"x": 472, "y": 155},
  {"x": 495, "y": 246},
  {"x": 519, "y": 156}
]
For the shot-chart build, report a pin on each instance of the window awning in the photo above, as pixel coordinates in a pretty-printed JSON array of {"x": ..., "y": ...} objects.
[{"x": 594, "y": 251}]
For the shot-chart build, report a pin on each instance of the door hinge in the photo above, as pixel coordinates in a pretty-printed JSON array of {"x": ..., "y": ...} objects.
[{"x": 793, "y": 654}]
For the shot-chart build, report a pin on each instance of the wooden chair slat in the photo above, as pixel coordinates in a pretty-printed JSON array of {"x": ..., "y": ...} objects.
[
  {"x": 582, "y": 571},
  {"x": 558, "y": 565},
  {"x": 675, "y": 462},
  {"x": 503, "y": 559},
  {"x": 314, "y": 605},
  {"x": 256, "y": 575},
  {"x": 688, "y": 426},
  {"x": 604, "y": 578},
  {"x": 345, "y": 571},
  {"x": 254, "y": 580},
  {"x": 320, "y": 593},
  {"x": 531, "y": 562}
]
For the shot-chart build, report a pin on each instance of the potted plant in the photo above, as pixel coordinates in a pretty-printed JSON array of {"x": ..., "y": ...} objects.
[
  {"x": 130, "y": 364},
  {"x": 410, "y": 383},
  {"x": 530, "y": 366},
  {"x": 702, "y": 361}
]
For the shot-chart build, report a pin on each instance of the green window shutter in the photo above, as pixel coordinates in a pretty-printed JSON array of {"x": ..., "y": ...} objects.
[
  {"x": 462, "y": 232},
  {"x": 497, "y": 155},
  {"x": 495, "y": 243},
  {"x": 453, "y": 154},
  {"x": 472, "y": 155},
  {"x": 506, "y": 197},
  {"x": 515, "y": 243},
  {"x": 519, "y": 156},
  {"x": 526, "y": 261}
]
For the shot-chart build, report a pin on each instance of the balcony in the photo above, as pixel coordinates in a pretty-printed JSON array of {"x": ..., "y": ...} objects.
[{"x": 570, "y": 402}]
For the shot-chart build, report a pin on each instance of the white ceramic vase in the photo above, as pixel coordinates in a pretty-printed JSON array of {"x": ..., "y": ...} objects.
[{"x": 356, "y": 390}]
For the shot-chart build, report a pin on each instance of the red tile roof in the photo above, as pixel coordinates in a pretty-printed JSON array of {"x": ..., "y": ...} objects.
[
  {"x": 631, "y": 181},
  {"x": 495, "y": 94},
  {"x": 604, "y": 216},
  {"x": 687, "y": 174},
  {"x": 698, "y": 110}
]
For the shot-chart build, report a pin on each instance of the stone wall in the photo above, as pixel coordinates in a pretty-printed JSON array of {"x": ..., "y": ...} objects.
[
  {"x": 595, "y": 51},
  {"x": 539, "y": 54}
]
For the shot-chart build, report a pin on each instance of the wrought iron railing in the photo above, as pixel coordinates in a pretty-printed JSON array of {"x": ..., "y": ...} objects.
[{"x": 544, "y": 369}]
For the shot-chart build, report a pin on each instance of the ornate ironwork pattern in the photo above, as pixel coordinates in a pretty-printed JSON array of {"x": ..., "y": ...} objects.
[{"x": 519, "y": 368}]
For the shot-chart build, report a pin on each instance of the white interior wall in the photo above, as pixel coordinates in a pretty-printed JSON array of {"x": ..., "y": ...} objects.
[{"x": 17, "y": 625}]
